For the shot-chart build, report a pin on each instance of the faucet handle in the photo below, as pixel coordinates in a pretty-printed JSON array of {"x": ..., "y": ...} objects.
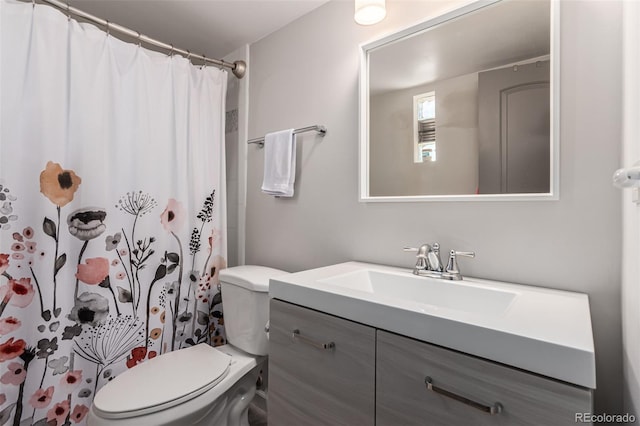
[
  {"x": 422, "y": 251},
  {"x": 422, "y": 263},
  {"x": 464, "y": 253},
  {"x": 452, "y": 270}
]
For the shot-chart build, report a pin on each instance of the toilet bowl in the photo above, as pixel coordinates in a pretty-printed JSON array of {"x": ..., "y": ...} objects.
[{"x": 199, "y": 385}]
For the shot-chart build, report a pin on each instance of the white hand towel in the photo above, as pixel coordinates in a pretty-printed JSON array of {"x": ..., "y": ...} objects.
[{"x": 279, "y": 163}]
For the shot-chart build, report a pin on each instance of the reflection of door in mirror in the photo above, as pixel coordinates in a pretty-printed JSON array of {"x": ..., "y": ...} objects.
[{"x": 514, "y": 129}]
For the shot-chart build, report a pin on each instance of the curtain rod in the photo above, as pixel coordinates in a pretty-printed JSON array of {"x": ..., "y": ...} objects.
[{"x": 238, "y": 68}]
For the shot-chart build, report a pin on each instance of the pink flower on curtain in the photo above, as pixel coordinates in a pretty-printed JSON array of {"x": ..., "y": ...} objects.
[
  {"x": 41, "y": 398},
  {"x": 9, "y": 324},
  {"x": 218, "y": 264},
  {"x": 212, "y": 238},
  {"x": 70, "y": 381},
  {"x": 94, "y": 271},
  {"x": 17, "y": 292},
  {"x": 4, "y": 262},
  {"x": 28, "y": 232},
  {"x": 11, "y": 349},
  {"x": 31, "y": 246},
  {"x": 58, "y": 185},
  {"x": 79, "y": 412},
  {"x": 15, "y": 375},
  {"x": 58, "y": 412},
  {"x": 173, "y": 216},
  {"x": 3, "y": 398}
]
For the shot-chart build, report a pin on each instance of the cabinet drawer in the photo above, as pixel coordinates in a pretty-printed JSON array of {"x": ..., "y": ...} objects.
[
  {"x": 311, "y": 385},
  {"x": 463, "y": 388}
]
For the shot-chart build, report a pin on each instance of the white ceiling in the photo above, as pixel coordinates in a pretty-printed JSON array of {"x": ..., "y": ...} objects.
[{"x": 213, "y": 28}]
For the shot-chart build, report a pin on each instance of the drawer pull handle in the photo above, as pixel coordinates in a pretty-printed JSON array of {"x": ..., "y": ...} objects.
[
  {"x": 490, "y": 409},
  {"x": 296, "y": 335}
]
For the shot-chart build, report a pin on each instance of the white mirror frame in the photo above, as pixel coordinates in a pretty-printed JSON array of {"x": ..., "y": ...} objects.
[{"x": 555, "y": 112}]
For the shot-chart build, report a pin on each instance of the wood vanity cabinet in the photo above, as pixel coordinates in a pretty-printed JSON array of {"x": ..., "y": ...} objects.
[
  {"x": 372, "y": 377},
  {"x": 313, "y": 385},
  {"x": 465, "y": 389}
]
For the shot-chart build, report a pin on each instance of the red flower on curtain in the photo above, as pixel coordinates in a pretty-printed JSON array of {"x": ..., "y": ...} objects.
[
  {"x": 70, "y": 381},
  {"x": 17, "y": 292},
  {"x": 11, "y": 349},
  {"x": 93, "y": 271},
  {"x": 58, "y": 185},
  {"x": 138, "y": 356},
  {"x": 59, "y": 412}
]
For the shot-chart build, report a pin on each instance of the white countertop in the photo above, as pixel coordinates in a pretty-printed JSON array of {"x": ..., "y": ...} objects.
[{"x": 541, "y": 330}]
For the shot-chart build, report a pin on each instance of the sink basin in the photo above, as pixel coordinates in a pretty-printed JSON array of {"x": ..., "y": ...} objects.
[
  {"x": 536, "y": 329},
  {"x": 428, "y": 291}
]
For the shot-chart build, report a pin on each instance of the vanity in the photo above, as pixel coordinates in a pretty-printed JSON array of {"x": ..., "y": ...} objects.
[{"x": 364, "y": 344}]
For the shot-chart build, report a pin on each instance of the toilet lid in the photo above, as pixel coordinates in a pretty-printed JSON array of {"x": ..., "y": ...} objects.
[{"x": 163, "y": 381}]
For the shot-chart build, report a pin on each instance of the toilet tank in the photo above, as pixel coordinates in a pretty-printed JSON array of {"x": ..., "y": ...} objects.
[{"x": 245, "y": 304}]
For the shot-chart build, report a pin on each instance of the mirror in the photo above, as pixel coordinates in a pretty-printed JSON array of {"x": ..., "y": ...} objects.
[{"x": 463, "y": 107}]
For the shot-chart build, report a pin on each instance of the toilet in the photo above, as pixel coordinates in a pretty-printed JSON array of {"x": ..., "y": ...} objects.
[{"x": 199, "y": 385}]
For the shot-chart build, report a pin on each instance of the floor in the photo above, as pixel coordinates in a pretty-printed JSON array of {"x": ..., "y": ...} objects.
[{"x": 257, "y": 416}]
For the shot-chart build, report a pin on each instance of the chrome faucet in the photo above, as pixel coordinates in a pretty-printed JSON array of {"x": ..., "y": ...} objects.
[
  {"x": 428, "y": 262},
  {"x": 452, "y": 272},
  {"x": 428, "y": 258}
]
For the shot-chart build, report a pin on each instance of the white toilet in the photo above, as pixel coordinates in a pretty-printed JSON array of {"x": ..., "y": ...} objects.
[{"x": 199, "y": 385}]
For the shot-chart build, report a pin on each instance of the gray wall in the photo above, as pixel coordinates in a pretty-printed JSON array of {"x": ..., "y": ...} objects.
[
  {"x": 307, "y": 73},
  {"x": 631, "y": 214},
  {"x": 455, "y": 171},
  {"x": 231, "y": 162},
  {"x": 235, "y": 155}
]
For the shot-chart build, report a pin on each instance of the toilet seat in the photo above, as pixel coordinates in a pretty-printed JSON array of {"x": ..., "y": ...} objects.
[{"x": 162, "y": 382}]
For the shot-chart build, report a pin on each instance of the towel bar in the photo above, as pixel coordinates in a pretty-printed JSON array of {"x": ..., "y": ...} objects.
[{"x": 317, "y": 128}]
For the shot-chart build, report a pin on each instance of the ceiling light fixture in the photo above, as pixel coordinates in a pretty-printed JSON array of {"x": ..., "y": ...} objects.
[{"x": 369, "y": 12}]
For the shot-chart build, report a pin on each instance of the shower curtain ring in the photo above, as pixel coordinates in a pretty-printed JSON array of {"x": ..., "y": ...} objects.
[
  {"x": 204, "y": 65},
  {"x": 68, "y": 12},
  {"x": 188, "y": 55},
  {"x": 108, "y": 29},
  {"x": 33, "y": 3},
  {"x": 139, "y": 39},
  {"x": 171, "y": 51}
]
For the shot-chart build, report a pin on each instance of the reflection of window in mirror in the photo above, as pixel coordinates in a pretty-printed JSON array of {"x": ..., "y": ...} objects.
[{"x": 424, "y": 127}]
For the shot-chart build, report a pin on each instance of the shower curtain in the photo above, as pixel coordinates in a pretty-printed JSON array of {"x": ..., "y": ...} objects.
[{"x": 112, "y": 210}]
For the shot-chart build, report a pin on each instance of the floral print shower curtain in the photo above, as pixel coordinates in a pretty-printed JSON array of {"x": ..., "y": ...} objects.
[{"x": 112, "y": 210}]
